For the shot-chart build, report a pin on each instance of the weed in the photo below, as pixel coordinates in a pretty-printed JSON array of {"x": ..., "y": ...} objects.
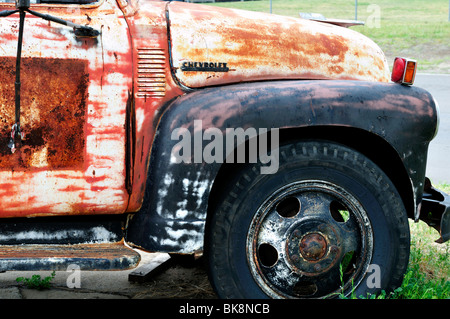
[{"x": 36, "y": 282}]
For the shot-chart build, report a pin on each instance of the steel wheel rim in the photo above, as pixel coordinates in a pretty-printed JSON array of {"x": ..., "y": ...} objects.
[{"x": 300, "y": 241}]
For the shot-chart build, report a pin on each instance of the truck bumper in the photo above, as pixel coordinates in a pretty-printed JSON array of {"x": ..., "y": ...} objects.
[{"x": 435, "y": 210}]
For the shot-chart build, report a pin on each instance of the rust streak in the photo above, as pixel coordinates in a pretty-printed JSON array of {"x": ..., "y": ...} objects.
[{"x": 258, "y": 46}]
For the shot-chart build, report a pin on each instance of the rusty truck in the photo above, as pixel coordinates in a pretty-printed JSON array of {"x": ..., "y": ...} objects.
[{"x": 114, "y": 115}]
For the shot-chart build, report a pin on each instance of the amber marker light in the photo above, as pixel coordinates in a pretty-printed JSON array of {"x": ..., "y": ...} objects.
[
  {"x": 404, "y": 71},
  {"x": 410, "y": 72}
]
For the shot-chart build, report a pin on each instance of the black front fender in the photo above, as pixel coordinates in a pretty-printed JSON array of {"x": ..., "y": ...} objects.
[{"x": 172, "y": 218}]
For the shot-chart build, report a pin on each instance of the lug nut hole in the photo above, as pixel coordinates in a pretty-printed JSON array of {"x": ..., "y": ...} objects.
[
  {"x": 268, "y": 255},
  {"x": 288, "y": 207}
]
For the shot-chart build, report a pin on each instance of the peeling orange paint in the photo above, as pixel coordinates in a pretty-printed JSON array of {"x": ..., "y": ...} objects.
[
  {"x": 258, "y": 46},
  {"x": 73, "y": 110}
]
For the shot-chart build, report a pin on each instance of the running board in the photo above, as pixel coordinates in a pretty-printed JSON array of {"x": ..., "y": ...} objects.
[{"x": 105, "y": 256}]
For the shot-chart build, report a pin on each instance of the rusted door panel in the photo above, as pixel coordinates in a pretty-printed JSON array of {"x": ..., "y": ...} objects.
[{"x": 73, "y": 108}]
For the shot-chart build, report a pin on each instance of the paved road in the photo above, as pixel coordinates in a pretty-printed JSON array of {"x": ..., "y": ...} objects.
[{"x": 438, "y": 166}]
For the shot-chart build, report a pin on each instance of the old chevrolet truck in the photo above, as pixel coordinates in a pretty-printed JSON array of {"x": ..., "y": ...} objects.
[{"x": 102, "y": 100}]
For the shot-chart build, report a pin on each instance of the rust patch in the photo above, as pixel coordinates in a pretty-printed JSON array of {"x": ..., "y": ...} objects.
[
  {"x": 53, "y": 111},
  {"x": 259, "y": 46}
]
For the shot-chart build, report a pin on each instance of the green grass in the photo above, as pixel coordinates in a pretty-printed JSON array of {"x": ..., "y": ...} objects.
[
  {"x": 445, "y": 187},
  {"x": 428, "y": 273},
  {"x": 413, "y": 28}
]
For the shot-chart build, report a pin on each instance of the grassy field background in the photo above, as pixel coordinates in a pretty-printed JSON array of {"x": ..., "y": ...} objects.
[{"x": 413, "y": 28}]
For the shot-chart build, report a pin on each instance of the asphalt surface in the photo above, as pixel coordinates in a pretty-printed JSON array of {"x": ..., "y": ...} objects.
[
  {"x": 116, "y": 285},
  {"x": 438, "y": 164}
]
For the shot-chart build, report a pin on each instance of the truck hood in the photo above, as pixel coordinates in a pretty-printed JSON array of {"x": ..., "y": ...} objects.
[{"x": 213, "y": 46}]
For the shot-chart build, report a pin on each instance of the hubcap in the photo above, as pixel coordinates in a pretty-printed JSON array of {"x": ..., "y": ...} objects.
[
  {"x": 313, "y": 246},
  {"x": 309, "y": 239}
]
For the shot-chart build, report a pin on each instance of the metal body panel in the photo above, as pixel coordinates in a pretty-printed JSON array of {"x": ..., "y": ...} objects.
[
  {"x": 258, "y": 46},
  {"x": 174, "y": 212},
  {"x": 153, "y": 86},
  {"x": 62, "y": 230},
  {"x": 74, "y": 97}
]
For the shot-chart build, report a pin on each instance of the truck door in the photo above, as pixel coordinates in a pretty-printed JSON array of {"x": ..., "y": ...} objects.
[{"x": 74, "y": 95}]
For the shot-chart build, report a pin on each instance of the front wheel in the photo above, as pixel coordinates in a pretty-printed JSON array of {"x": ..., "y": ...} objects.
[{"x": 328, "y": 223}]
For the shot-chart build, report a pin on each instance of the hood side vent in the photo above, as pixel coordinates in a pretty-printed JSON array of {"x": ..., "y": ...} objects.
[{"x": 151, "y": 76}]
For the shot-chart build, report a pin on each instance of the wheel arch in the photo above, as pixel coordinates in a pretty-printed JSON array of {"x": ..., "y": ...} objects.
[
  {"x": 371, "y": 145},
  {"x": 394, "y": 133}
]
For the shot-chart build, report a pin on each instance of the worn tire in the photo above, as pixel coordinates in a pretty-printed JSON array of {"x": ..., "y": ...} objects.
[{"x": 284, "y": 235}]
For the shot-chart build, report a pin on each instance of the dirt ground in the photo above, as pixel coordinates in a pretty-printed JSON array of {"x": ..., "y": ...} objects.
[{"x": 185, "y": 282}]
